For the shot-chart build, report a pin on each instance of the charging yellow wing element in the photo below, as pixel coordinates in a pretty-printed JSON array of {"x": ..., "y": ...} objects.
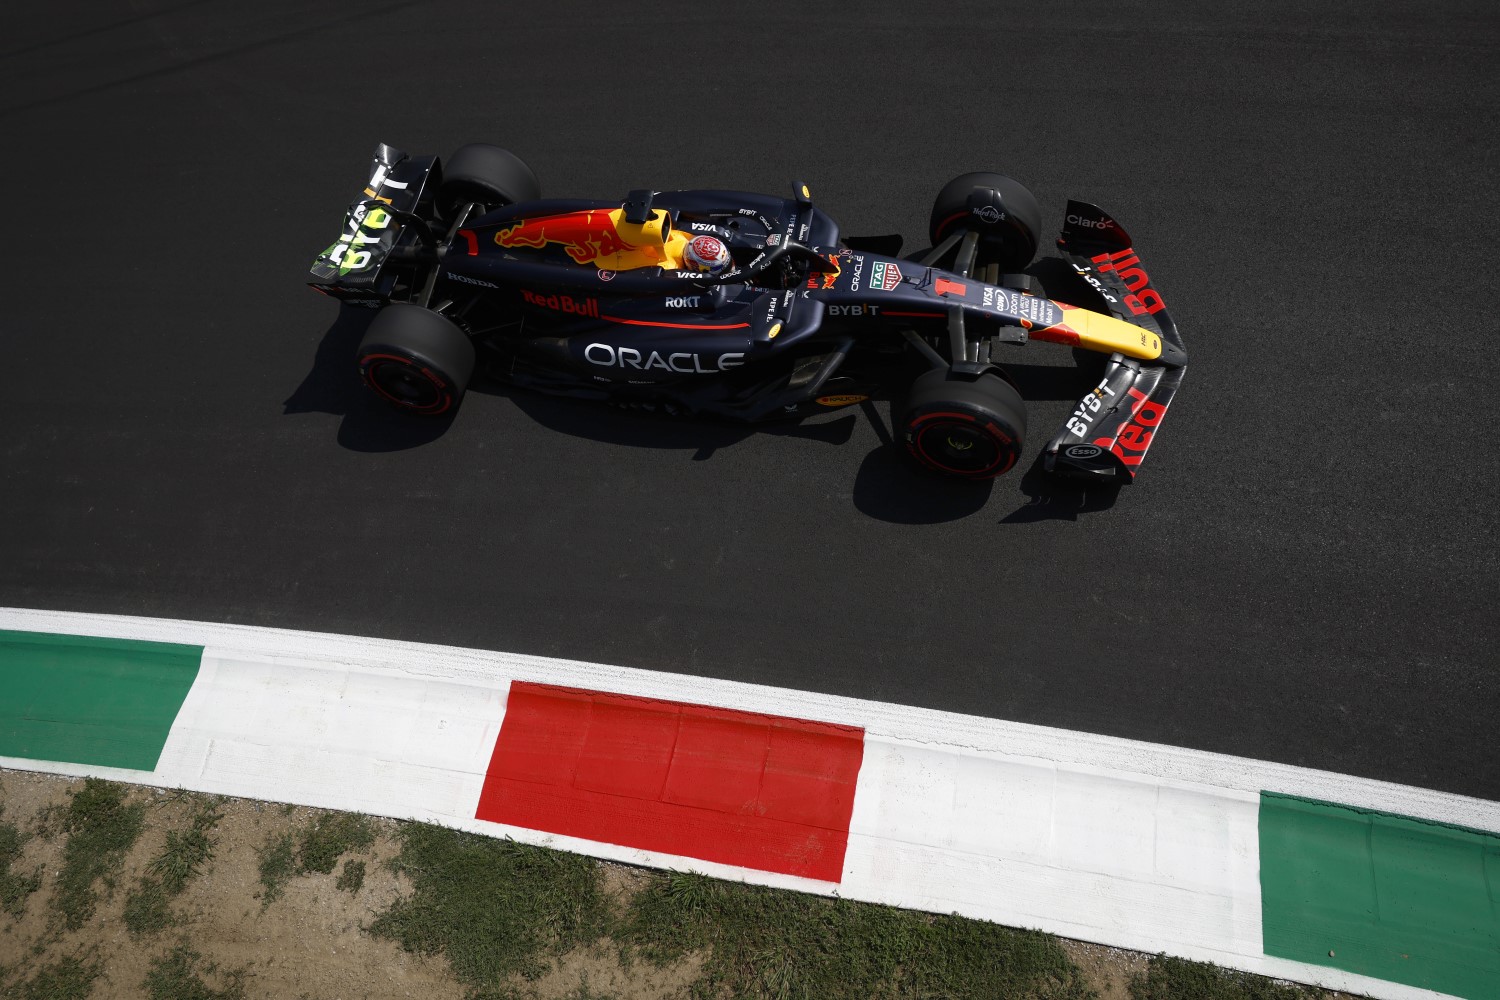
[{"x": 1098, "y": 332}]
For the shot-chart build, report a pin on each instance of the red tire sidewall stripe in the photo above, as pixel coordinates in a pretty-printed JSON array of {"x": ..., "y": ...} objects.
[
  {"x": 1005, "y": 449},
  {"x": 937, "y": 234},
  {"x": 370, "y": 361}
]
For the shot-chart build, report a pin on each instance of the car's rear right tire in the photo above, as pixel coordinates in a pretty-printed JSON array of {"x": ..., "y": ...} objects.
[
  {"x": 416, "y": 360},
  {"x": 486, "y": 174},
  {"x": 968, "y": 428}
]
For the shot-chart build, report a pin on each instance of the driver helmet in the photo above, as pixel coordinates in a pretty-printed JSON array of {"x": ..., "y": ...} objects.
[{"x": 707, "y": 254}]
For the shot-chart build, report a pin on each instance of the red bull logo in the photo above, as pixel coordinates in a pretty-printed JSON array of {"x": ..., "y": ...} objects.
[
  {"x": 827, "y": 278},
  {"x": 1144, "y": 299},
  {"x": 585, "y": 236},
  {"x": 563, "y": 303}
]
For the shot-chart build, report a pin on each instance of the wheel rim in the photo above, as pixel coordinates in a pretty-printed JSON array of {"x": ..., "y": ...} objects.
[
  {"x": 407, "y": 385},
  {"x": 959, "y": 445}
]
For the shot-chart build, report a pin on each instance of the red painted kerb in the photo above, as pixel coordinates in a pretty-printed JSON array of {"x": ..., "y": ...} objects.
[{"x": 739, "y": 788}]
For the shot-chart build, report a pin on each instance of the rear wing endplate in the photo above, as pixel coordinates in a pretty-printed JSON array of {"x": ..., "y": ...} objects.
[{"x": 398, "y": 184}]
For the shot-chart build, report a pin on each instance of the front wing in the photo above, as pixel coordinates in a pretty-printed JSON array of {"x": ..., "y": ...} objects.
[
  {"x": 1108, "y": 434},
  {"x": 1106, "y": 437}
]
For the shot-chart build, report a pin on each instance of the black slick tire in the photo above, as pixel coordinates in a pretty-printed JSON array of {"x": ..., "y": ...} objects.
[
  {"x": 1001, "y": 210},
  {"x": 487, "y": 174},
  {"x": 416, "y": 360},
  {"x": 967, "y": 428}
]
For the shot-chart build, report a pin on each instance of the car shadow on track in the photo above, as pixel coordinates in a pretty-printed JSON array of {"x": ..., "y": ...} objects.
[
  {"x": 1051, "y": 499},
  {"x": 332, "y": 386},
  {"x": 891, "y": 488},
  {"x": 888, "y": 486},
  {"x": 369, "y": 425},
  {"x": 595, "y": 421}
]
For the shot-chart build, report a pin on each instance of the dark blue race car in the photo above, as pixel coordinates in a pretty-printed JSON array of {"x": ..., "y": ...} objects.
[{"x": 750, "y": 307}]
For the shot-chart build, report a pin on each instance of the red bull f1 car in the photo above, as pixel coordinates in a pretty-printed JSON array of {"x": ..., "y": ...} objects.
[{"x": 750, "y": 307}]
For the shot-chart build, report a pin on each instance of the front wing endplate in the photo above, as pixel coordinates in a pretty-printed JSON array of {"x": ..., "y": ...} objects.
[
  {"x": 1106, "y": 437},
  {"x": 1108, "y": 434}
]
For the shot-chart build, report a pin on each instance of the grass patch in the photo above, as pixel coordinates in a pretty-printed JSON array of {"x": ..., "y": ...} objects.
[
  {"x": 14, "y": 887},
  {"x": 101, "y": 828},
  {"x": 499, "y": 910},
  {"x": 495, "y": 908},
  {"x": 148, "y": 906},
  {"x": 317, "y": 848},
  {"x": 186, "y": 852},
  {"x": 764, "y": 942},
  {"x": 278, "y": 863},
  {"x": 66, "y": 979},
  {"x": 48, "y": 821},
  {"x": 176, "y": 976},
  {"x": 352, "y": 878},
  {"x": 1168, "y": 978},
  {"x": 329, "y": 836}
]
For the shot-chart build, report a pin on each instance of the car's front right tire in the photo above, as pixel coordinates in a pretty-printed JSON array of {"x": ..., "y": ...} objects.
[{"x": 968, "y": 428}]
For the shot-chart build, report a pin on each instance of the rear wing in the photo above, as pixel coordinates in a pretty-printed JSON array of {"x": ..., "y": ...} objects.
[
  {"x": 1106, "y": 437},
  {"x": 399, "y": 186}
]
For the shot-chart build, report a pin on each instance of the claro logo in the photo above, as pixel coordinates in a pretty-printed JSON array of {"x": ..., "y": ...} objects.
[
  {"x": 607, "y": 356},
  {"x": 1087, "y": 223}
]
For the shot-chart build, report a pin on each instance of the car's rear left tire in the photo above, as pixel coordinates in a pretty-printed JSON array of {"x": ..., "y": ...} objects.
[
  {"x": 416, "y": 360},
  {"x": 968, "y": 428},
  {"x": 486, "y": 174},
  {"x": 1000, "y": 209}
]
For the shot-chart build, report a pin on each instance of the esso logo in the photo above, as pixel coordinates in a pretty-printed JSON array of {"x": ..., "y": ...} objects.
[{"x": 1084, "y": 451}]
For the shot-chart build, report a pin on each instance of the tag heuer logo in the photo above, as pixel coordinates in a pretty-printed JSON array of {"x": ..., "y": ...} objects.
[{"x": 884, "y": 276}]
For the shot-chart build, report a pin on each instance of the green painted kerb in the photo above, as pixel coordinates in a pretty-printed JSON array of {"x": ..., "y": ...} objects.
[
  {"x": 83, "y": 700},
  {"x": 1381, "y": 895}
]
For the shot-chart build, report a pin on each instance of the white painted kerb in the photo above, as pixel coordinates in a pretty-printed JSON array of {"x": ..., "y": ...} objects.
[{"x": 1117, "y": 841}]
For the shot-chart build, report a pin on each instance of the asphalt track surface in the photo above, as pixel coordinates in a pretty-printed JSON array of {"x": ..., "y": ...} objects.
[{"x": 1306, "y": 571}]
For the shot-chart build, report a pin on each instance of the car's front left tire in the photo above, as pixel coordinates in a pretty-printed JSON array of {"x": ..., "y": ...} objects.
[
  {"x": 1000, "y": 209},
  {"x": 416, "y": 360}
]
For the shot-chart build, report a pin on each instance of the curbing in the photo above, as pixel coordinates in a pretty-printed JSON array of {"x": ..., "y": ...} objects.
[{"x": 1120, "y": 842}]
